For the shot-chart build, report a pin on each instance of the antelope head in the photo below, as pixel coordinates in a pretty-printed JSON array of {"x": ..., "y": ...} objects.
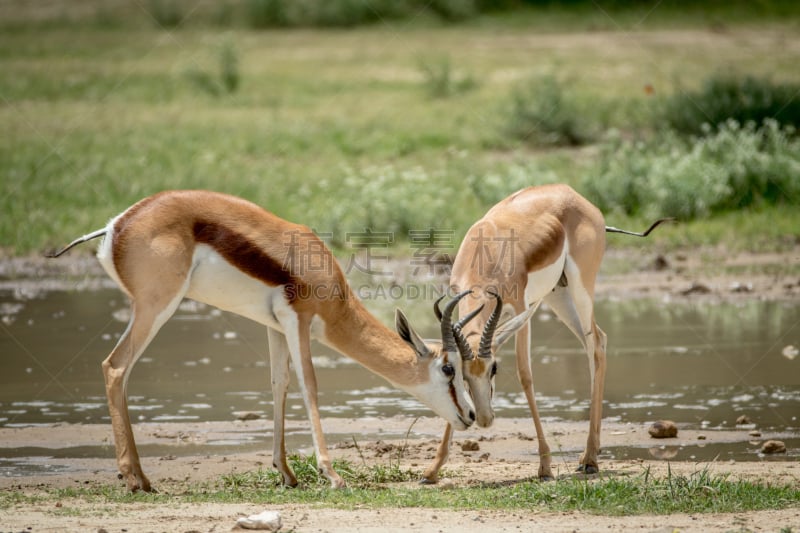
[
  {"x": 444, "y": 392},
  {"x": 478, "y": 349}
]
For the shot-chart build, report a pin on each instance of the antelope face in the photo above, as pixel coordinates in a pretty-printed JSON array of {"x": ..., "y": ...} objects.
[
  {"x": 479, "y": 373},
  {"x": 479, "y": 349},
  {"x": 445, "y": 392},
  {"x": 442, "y": 389}
]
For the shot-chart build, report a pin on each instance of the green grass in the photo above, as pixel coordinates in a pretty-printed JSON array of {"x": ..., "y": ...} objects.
[
  {"x": 333, "y": 128},
  {"x": 382, "y": 486}
]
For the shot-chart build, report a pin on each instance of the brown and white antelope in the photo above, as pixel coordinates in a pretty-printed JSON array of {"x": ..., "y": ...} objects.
[
  {"x": 230, "y": 253},
  {"x": 541, "y": 244}
]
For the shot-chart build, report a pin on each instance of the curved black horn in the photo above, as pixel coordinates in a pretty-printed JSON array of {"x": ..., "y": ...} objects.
[
  {"x": 436, "y": 310},
  {"x": 446, "y": 322},
  {"x": 485, "y": 347},
  {"x": 461, "y": 341}
]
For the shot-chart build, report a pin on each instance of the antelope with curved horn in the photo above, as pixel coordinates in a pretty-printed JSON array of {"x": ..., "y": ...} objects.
[
  {"x": 541, "y": 244},
  {"x": 232, "y": 254}
]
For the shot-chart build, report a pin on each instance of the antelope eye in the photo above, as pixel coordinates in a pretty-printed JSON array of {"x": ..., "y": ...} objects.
[
  {"x": 448, "y": 370},
  {"x": 493, "y": 371}
]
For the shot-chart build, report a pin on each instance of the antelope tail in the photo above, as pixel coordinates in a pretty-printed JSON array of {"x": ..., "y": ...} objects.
[
  {"x": 611, "y": 229},
  {"x": 79, "y": 240}
]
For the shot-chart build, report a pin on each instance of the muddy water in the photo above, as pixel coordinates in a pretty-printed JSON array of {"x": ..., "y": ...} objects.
[{"x": 700, "y": 364}]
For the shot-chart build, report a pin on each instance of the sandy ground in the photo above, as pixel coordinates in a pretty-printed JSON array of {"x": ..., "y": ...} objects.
[
  {"x": 710, "y": 274},
  {"x": 506, "y": 454}
]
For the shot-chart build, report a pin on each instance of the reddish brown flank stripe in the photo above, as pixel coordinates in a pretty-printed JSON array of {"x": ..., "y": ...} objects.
[{"x": 244, "y": 254}]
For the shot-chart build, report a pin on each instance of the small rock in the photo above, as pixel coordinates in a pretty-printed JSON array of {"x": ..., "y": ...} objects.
[
  {"x": 660, "y": 263},
  {"x": 755, "y": 433},
  {"x": 663, "y": 429},
  {"x": 743, "y": 420},
  {"x": 697, "y": 288},
  {"x": 382, "y": 448},
  {"x": 773, "y": 446},
  {"x": 701, "y": 437},
  {"x": 741, "y": 287},
  {"x": 268, "y": 520},
  {"x": 790, "y": 352},
  {"x": 470, "y": 445},
  {"x": 246, "y": 415}
]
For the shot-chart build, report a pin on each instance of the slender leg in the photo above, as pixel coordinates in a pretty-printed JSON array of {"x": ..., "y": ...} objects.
[
  {"x": 522, "y": 346},
  {"x": 597, "y": 360},
  {"x": 145, "y": 323},
  {"x": 279, "y": 370},
  {"x": 431, "y": 475},
  {"x": 573, "y": 305},
  {"x": 297, "y": 331}
]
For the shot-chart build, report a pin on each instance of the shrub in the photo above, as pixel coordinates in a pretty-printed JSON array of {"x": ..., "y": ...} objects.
[
  {"x": 343, "y": 13},
  {"x": 166, "y": 13},
  {"x": 454, "y": 10},
  {"x": 731, "y": 168},
  {"x": 492, "y": 187},
  {"x": 382, "y": 199},
  {"x": 439, "y": 80},
  {"x": 226, "y": 80},
  {"x": 396, "y": 200},
  {"x": 722, "y": 98},
  {"x": 544, "y": 112}
]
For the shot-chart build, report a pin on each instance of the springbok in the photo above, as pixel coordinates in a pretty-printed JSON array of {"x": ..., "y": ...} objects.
[
  {"x": 232, "y": 254},
  {"x": 541, "y": 244}
]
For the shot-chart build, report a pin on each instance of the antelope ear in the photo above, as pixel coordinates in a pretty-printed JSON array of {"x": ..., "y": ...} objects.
[
  {"x": 507, "y": 329},
  {"x": 408, "y": 334}
]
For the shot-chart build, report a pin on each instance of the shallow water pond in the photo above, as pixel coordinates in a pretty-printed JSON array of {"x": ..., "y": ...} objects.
[{"x": 699, "y": 364}]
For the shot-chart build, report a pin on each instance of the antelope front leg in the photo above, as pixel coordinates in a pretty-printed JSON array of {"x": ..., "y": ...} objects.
[
  {"x": 279, "y": 370},
  {"x": 431, "y": 475},
  {"x": 299, "y": 342},
  {"x": 522, "y": 346}
]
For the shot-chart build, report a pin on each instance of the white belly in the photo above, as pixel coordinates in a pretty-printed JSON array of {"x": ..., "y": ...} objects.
[
  {"x": 541, "y": 282},
  {"x": 216, "y": 282}
]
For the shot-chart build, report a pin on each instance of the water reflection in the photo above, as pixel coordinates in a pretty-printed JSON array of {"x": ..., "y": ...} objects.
[{"x": 700, "y": 364}]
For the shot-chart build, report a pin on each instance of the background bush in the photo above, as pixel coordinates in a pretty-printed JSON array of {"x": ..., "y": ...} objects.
[
  {"x": 343, "y": 13},
  {"x": 544, "y": 111},
  {"x": 731, "y": 168},
  {"x": 743, "y": 99}
]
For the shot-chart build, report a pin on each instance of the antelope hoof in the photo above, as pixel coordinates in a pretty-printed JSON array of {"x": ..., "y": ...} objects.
[
  {"x": 289, "y": 481},
  {"x": 428, "y": 481},
  {"x": 588, "y": 469},
  {"x": 546, "y": 477},
  {"x": 138, "y": 483}
]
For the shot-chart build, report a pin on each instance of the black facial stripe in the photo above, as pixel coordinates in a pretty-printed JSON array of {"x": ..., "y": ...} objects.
[{"x": 452, "y": 389}]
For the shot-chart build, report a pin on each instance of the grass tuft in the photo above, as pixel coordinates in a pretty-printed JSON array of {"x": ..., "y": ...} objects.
[{"x": 379, "y": 486}]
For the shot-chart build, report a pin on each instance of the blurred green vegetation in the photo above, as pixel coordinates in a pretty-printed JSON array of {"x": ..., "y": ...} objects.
[{"x": 408, "y": 122}]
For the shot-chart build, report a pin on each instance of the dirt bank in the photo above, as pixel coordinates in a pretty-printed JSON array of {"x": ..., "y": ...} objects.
[{"x": 707, "y": 273}]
